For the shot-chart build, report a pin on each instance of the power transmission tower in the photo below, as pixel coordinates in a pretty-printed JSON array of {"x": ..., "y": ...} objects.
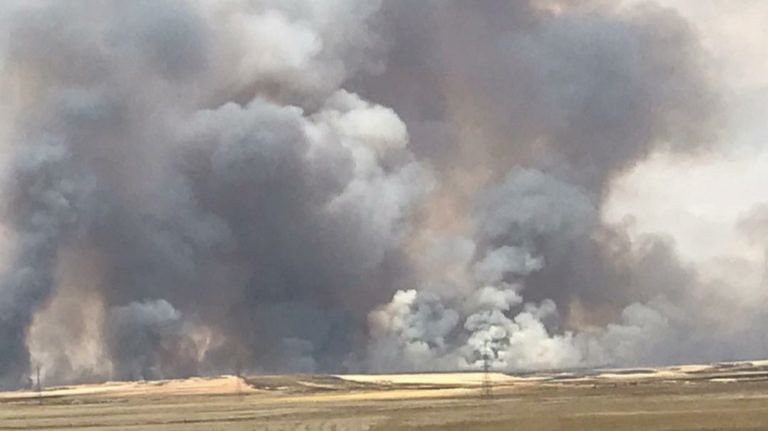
[
  {"x": 239, "y": 375},
  {"x": 487, "y": 384},
  {"x": 39, "y": 386}
]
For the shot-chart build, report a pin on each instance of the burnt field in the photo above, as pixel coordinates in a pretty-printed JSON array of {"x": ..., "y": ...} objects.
[{"x": 720, "y": 397}]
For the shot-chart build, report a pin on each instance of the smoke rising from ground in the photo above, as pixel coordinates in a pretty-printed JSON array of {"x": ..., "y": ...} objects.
[{"x": 329, "y": 186}]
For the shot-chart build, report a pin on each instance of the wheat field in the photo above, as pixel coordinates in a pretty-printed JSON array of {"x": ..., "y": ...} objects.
[{"x": 724, "y": 397}]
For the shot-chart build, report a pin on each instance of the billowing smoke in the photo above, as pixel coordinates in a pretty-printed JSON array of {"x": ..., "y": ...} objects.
[
  {"x": 530, "y": 109},
  {"x": 330, "y": 186},
  {"x": 143, "y": 332},
  {"x": 239, "y": 205}
]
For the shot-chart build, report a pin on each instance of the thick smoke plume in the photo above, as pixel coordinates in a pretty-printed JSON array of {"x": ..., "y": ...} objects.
[{"x": 330, "y": 186}]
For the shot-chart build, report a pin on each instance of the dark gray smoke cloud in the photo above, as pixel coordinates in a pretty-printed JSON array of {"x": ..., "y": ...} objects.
[
  {"x": 242, "y": 207},
  {"x": 336, "y": 185},
  {"x": 577, "y": 92},
  {"x": 584, "y": 92},
  {"x": 49, "y": 201},
  {"x": 143, "y": 335}
]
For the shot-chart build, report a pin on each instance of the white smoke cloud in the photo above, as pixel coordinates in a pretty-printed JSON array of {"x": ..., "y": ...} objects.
[
  {"x": 411, "y": 330},
  {"x": 501, "y": 261}
]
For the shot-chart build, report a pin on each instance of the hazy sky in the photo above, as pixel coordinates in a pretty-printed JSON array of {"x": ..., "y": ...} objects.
[{"x": 700, "y": 200}]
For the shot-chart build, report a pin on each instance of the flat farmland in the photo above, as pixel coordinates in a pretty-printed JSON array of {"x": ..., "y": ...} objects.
[{"x": 719, "y": 397}]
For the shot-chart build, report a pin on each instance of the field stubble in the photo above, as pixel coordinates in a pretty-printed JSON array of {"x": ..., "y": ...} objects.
[{"x": 672, "y": 399}]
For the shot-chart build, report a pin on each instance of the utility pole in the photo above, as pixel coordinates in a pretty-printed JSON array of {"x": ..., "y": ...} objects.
[{"x": 487, "y": 385}]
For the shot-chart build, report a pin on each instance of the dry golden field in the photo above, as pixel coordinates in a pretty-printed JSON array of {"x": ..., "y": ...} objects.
[{"x": 721, "y": 397}]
